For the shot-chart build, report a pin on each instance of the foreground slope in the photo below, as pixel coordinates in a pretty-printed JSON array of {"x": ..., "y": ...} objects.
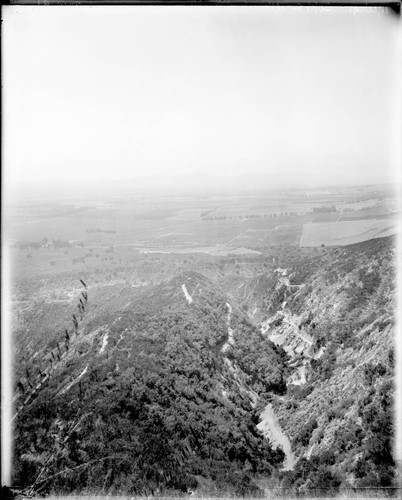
[
  {"x": 144, "y": 400},
  {"x": 276, "y": 367}
]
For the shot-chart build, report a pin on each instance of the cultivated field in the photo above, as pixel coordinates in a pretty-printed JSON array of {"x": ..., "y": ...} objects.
[
  {"x": 346, "y": 233},
  {"x": 103, "y": 233}
]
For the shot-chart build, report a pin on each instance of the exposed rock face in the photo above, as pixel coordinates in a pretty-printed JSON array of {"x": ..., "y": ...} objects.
[{"x": 339, "y": 331}]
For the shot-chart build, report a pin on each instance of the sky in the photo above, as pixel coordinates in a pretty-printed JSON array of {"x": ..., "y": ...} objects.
[{"x": 287, "y": 96}]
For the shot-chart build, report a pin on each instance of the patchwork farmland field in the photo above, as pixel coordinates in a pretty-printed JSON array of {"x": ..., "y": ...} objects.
[
  {"x": 90, "y": 232},
  {"x": 347, "y": 232}
]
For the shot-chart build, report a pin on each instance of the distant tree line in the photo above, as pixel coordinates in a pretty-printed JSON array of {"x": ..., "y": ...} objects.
[
  {"x": 49, "y": 243},
  {"x": 250, "y": 216},
  {"x": 324, "y": 209},
  {"x": 98, "y": 230}
]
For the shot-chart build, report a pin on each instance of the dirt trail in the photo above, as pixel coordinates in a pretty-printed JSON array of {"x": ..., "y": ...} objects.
[
  {"x": 272, "y": 430},
  {"x": 104, "y": 342},
  {"x": 186, "y": 294},
  {"x": 230, "y": 340}
]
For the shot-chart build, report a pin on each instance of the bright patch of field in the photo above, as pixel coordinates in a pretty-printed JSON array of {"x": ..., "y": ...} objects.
[
  {"x": 392, "y": 205},
  {"x": 326, "y": 217},
  {"x": 359, "y": 205},
  {"x": 286, "y": 234},
  {"x": 217, "y": 250},
  {"x": 347, "y": 232},
  {"x": 364, "y": 216}
]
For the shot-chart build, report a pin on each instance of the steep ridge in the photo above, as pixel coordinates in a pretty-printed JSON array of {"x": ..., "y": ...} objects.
[{"x": 137, "y": 406}]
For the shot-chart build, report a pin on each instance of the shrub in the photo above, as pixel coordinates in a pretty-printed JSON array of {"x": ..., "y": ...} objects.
[{"x": 303, "y": 437}]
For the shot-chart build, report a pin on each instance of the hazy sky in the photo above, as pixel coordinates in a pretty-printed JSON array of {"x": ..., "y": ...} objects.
[{"x": 309, "y": 96}]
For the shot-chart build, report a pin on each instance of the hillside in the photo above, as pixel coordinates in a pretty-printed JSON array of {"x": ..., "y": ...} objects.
[
  {"x": 334, "y": 316},
  {"x": 150, "y": 381},
  {"x": 209, "y": 374}
]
